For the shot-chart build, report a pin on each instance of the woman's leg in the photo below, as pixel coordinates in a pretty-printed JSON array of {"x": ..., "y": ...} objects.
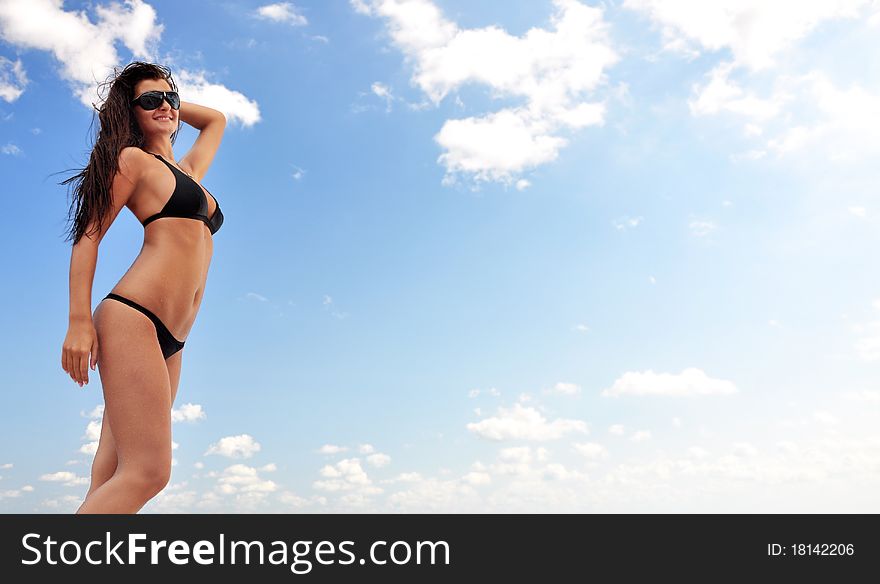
[
  {"x": 137, "y": 398},
  {"x": 106, "y": 459},
  {"x": 173, "y": 362}
]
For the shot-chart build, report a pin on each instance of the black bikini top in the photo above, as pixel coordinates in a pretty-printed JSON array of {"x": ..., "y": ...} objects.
[{"x": 188, "y": 201}]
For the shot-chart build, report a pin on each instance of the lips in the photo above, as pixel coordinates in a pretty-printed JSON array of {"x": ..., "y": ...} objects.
[{"x": 162, "y": 118}]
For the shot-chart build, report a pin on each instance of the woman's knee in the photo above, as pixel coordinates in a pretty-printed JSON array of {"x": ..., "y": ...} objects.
[
  {"x": 104, "y": 466},
  {"x": 149, "y": 478}
]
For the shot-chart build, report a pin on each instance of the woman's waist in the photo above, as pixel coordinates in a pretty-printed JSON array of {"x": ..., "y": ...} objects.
[{"x": 174, "y": 298}]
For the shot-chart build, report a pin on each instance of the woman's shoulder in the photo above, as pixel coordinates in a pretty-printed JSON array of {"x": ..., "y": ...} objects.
[{"x": 132, "y": 163}]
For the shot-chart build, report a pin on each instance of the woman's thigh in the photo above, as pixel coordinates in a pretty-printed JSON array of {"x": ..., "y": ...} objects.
[
  {"x": 173, "y": 364},
  {"x": 136, "y": 386}
]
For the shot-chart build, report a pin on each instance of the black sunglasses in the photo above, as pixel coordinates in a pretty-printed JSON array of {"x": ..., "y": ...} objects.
[{"x": 150, "y": 100}]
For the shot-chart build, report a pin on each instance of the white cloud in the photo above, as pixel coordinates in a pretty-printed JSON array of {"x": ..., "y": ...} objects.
[
  {"x": 10, "y": 148},
  {"x": 744, "y": 449},
  {"x": 13, "y": 79},
  {"x": 494, "y": 392},
  {"x": 626, "y": 223},
  {"x": 241, "y": 446},
  {"x": 564, "y": 388},
  {"x": 84, "y": 49},
  {"x": 555, "y": 471},
  {"x": 64, "y": 502},
  {"x": 591, "y": 450},
  {"x": 67, "y": 478},
  {"x": 291, "y": 499},
  {"x": 522, "y": 454},
  {"x": 10, "y": 493},
  {"x": 378, "y": 459},
  {"x": 188, "y": 413},
  {"x": 384, "y": 92},
  {"x": 719, "y": 94},
  {"x": 524, "y": 423},
  {"x": 689, "y": 382},
  {"x": 641, "y": 436},
  {"x": 332, "y": 449},
  {"x": 97, "y": 412},
  {"x": 477, "y": 478},
  {"x": 282, "y": 12},
  {"x": 866, "y": 395},
  {"x": 240, "y": 478},
  {"x": 812, "y": 116},
  {"x": 701, "y": 228},
  {"x": 238, "y": 488},
  {"x": 93, "y": 430},
  {"x": 347, "y": 475},
  {"x": 196, "y": 87},
  {"x": 431, "y": 495},
  {"x": 87, "y": 54},
  {"x": 173, "y": 499},
  {"x": 553, "y": 71},
  {"x": 89, "y": 448},
  {"x": 843, "y": 123},
  {"x": 754, "y": 31}
]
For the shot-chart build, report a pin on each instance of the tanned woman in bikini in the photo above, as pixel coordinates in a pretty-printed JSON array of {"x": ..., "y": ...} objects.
[{"x": 135, "y": 336}]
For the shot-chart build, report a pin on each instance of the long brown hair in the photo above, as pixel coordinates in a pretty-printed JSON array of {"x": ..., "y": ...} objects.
[{"x": 118, "y": 129}]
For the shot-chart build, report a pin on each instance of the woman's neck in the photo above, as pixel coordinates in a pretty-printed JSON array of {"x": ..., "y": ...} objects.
[{"x": 162, "y": 147}]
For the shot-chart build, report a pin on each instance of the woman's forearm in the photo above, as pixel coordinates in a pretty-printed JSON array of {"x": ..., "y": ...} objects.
[
  {"x": 83, "y": 259},
  {"x": 199, "y": 116}
]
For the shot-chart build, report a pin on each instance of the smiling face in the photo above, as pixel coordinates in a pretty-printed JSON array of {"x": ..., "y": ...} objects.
[{"x": 162, "y": 120}]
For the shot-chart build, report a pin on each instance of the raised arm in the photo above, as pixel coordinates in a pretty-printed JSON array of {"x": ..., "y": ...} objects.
[
  {"x": 211, "y": 125},
  {"x": 81, "y": 338}
]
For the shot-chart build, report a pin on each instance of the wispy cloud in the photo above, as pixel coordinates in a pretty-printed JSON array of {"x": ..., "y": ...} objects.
[{"x": 13, "y": 79}]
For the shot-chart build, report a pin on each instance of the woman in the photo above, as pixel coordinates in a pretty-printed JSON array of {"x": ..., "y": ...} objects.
[{"x": 137, "y": 332}]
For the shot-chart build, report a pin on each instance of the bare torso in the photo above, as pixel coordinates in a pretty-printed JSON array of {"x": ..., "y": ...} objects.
[{"x": 168, "y": 276}]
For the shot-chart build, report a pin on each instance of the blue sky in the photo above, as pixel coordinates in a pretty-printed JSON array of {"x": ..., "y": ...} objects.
[{"x": 520, "y": 256}]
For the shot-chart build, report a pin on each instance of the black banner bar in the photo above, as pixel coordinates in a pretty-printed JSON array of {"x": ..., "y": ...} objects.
[{"x": 424, "y": 547}]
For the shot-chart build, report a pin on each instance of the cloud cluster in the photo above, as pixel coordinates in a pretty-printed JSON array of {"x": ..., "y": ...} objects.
[
  {"x": 553, "y": 72},
  {"x": 86, "y": 51},
  {"x": 804, "y": 112}
]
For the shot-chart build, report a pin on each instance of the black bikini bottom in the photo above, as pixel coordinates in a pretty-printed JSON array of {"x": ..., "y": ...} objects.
[{"x": 169, "y": 344}]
